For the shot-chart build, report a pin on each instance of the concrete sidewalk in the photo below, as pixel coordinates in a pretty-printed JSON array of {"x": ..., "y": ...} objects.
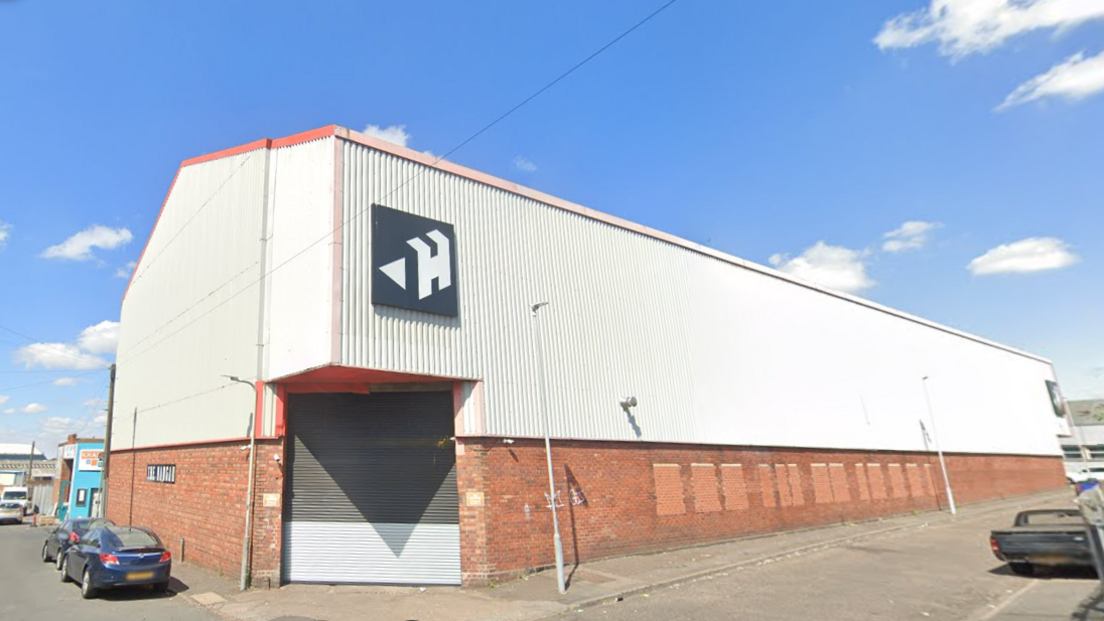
[
  {"x": 1073, "y": 594},
  {"x": 535, "y": 597},
  {"x": 1071, "y": 599}
]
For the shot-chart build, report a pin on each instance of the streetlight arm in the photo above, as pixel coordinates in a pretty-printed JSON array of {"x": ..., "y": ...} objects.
[{"x": 246, "y": 568}]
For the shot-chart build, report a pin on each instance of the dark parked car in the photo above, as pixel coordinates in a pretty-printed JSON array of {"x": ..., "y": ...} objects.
[
  {"x": 1044, "y": 537},
  {"x": 115, "y": 556},
  {"x": 66, "y": 534}
]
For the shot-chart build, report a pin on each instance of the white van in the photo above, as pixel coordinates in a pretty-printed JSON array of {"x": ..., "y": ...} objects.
[{"x": 15, "y": 494}]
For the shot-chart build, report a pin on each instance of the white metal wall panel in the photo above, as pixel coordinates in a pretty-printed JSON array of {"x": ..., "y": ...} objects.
[
  {"x": 337, "y": 552},
  {"x": 190, "y": 314},
  {"x": 300, "y": 285},
  {"x": 714, "y": 352}
]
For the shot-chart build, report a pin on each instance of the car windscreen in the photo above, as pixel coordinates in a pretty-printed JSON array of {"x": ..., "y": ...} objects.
[
  {"x": 10, "y": 505},
  {"x": 15, "y": 495},
  {"x": 122, "y": 538},
  {"x": 1053, "y": 518}
]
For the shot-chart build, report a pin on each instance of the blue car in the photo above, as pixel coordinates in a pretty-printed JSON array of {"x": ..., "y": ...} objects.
[
  {"x": 65, "y": 535},
  {"x": 115, "y": 556}
]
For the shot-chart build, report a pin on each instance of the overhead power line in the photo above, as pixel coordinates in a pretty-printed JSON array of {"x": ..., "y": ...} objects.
[
  {"x": 51, "y": 346},
  {"x": 124, "y": 356}
]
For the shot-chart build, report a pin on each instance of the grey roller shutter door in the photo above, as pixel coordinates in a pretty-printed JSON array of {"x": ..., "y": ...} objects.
[{"x": 372, "y": 482}]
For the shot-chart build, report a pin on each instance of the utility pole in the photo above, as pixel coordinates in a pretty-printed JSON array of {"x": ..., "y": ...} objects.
[
  {"x": 30, "y": 465},
  {"x": 27, "y": 484},
  {"x": 105, "y": 473},
  {"x": 556, "y": 540}
]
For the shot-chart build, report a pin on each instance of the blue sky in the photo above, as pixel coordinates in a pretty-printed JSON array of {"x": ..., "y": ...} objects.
[{"x": 791, "y": 135}]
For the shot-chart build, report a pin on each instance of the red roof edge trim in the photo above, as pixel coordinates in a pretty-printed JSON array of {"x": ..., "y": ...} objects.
[{"x": 263, "y": 143}]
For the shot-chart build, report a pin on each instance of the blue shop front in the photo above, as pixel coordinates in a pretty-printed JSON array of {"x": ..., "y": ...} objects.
[{"x": 80, "y": 465}]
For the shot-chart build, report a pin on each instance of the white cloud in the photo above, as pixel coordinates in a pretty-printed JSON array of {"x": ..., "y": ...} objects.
[
  {"x": 5, "y": 232},
  {"x": 964, "y": 27},
  {"x": 57, "y": 425},
  {"x": 62, "y": 381},
  {"x": 100, "y": 420},
  {"x": 34, "y": 408},
  {"x": 125, "y": 271},
  {"x": 58, "y": 356},
  {"x": 4, "y": 399},
  {"x": 911, "y": 235},
  {"x": 9, "y": 411},
  {"x": 83, "y": 355},
  {"x": 522, "y": 163},
  {"x": 101, "y": 338},
  {"x": 834, "y": 267},
  {"x": 392, "y": 133},
  {"x": 1073, "y": 79},
  {"x": 1035, "y": 254},
  {"x": 79, "y": 247}
]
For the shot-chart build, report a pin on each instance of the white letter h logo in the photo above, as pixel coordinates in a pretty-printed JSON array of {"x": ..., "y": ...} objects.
[{"x": 437, "y": 266}]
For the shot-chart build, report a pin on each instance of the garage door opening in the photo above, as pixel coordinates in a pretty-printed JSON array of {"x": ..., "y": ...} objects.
[{"x": 372, "y": 492}]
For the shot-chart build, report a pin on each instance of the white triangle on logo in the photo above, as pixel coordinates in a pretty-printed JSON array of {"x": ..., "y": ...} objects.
[{"x": 396, "y": 271}]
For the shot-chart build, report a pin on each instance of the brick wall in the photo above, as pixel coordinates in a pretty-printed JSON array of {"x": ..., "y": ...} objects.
[
  {"x": 619, "y": 498},
  {"x": 206, "y": 505},
  {"x": 615, "y": 497}
]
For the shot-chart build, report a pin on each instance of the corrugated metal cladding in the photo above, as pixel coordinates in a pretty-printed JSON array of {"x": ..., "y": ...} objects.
[
  {"x": 714, "y": 352},
  {"x": 190, "y": 314},
  {"x": 301, "y": 286},
  {"x": 373, "y": 496}
]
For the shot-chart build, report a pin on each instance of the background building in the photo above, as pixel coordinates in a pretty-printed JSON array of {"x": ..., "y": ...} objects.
[
  {"x": 14, "y": 459},
  {"x": 379, "y": 303},
  {"x": 77, "y": 489},
  {"x": 1084, "y": 446}
]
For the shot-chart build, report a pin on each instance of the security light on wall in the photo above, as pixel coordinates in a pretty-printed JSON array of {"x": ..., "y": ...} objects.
[{"x": 628, "y": 402}]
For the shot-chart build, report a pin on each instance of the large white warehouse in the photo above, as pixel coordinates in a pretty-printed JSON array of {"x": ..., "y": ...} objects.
[{"x": 379, "y": 305}]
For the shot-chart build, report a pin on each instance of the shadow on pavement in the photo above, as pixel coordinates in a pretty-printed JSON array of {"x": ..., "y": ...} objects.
[
  {"x": 126, "y": 594},
  {"x": 1091, "y": 608},
  {"x": 1049, "y": 573}
]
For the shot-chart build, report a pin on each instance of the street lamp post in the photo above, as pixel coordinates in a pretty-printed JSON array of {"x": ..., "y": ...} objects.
[
  {"x": 548, "y": 452},
  {"x": 938, "y": 449},
  {"x": 246, "y": 566}
]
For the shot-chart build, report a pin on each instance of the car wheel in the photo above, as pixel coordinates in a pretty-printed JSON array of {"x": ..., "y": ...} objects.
[
  {"x": 87, "y": 590},
  {"x": 161, "y": 587},
  {"x": 63, "y": 569},
  {"x": 46, "y": 552},
  {"x": 57, "y": 559},
  {"x": 1022, "y": 569}
]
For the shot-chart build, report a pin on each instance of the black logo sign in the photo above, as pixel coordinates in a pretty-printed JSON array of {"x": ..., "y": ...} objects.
[
  {"x": 413, "y": 262},
  {"x": 161, "y": 473}
]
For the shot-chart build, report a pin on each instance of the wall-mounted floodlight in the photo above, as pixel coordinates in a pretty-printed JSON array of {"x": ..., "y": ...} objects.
[
  {"x": 628, "y": 402},
  {"x": 507, "y": 440}
]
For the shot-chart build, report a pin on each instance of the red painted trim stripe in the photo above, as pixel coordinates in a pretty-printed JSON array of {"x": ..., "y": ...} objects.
[
  {"x": 307, "y": 136},
  {"x": 160, "y": 212},
  {"x": 258, "y": 411},
  {"x": 322, "y": 387},
  {"x": 152, "y": 447},
  {"x": 281, "y": 410},
  {"x": 263, "y": 143}
]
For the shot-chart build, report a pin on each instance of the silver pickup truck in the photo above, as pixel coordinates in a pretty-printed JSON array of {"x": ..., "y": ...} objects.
[{"x": 1046, "y": 537}]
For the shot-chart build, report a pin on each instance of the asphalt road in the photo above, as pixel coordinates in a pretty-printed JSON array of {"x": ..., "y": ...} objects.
[
  {"x": 30, "y": 589},
  {"x": 944, "y": 571}
]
